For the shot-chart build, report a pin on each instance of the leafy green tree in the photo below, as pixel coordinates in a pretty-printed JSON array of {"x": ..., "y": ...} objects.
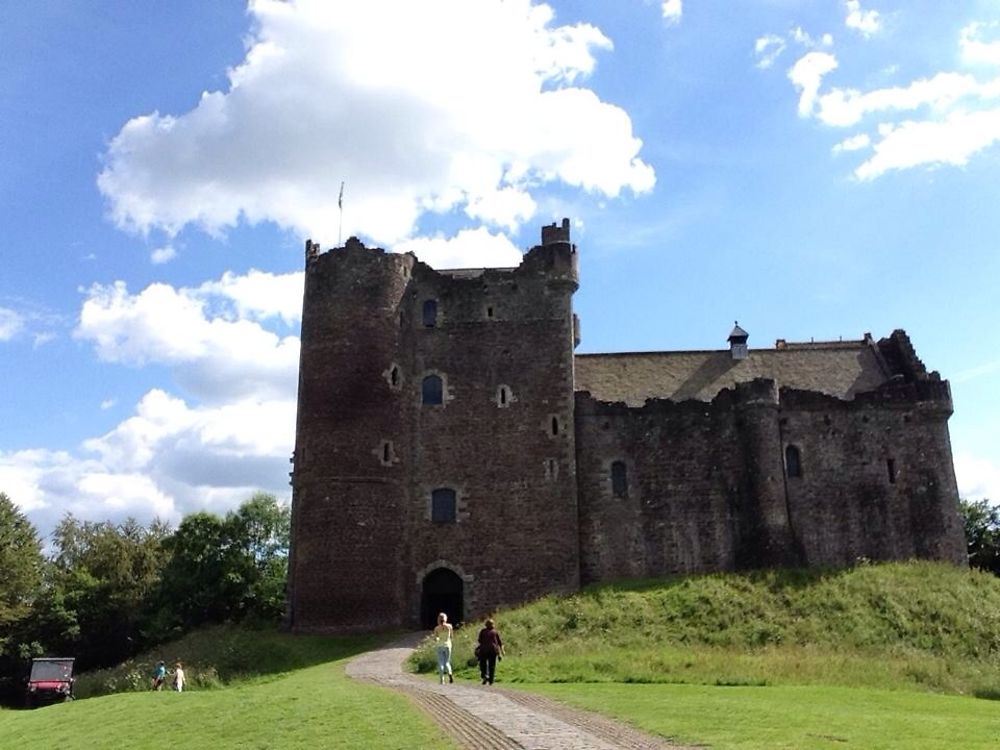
[
  {"x": 203, "y": 580},
  {"x": 104, "y": 577},
  {"x": 262, "y": 527},
  {"x": 22, "y": 568},
  {"x": 982, "y": 534},
  {"x": 228, "y": 568},
  {"x": 22, "y": 565}
]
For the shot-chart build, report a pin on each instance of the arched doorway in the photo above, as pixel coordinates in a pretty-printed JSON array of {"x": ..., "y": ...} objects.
[{"x": 442, "y": 591}]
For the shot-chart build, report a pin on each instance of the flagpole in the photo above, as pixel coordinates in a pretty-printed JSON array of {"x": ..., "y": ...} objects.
[{"x": 340, "y": 206}]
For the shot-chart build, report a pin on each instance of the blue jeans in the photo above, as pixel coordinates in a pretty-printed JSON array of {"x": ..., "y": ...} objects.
[{"x": 444, "y": 661}]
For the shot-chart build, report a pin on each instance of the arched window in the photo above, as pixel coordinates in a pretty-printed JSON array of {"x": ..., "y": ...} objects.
[
  {"x": 430, "y": 313},
  {"x": 619, "y": 479},
  {"x": 443, "y": 506},
  {"x": 432, "y": 390},
  {"x": 793, "y": 462}
]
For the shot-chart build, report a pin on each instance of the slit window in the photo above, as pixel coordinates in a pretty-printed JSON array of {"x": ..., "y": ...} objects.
[
  {"x": 555, "y": 425},
  {"x": 443, "y": 506},
  {"x": 793, "y": 462},
  {"x": 489, "y": 312},
  {"x": 394, "y": 376},
  {"x": 890, "y": 466},
  {"x": 386, "y": 452},
  {"x": 430, "y": 313},
  {"x": 619, "y": 479},
  {"x": 432, "y": 390}
]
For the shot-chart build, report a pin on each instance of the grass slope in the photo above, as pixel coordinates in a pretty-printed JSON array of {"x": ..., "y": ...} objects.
[
  {"x": 896, "y": 626},
  {"x": 886, "y": 657},
  {"x": 279, "y": 692}
]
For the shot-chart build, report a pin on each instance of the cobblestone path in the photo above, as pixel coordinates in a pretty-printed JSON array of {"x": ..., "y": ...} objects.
[{"x": 491, "y": 718}]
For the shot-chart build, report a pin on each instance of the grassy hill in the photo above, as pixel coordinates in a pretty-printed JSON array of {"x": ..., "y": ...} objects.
[
  {"x": 881, "y": 656},
  {"x": 907, "y": 625},
  {"x": 269, "y": 691}
]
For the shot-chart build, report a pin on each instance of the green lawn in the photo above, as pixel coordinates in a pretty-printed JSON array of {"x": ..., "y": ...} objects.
[
  {"x": 314, "y": 707},
  {"x": 793, "y": 718}
]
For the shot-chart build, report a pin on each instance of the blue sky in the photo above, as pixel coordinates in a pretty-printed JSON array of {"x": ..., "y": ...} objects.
[{"x": 814, "y": 169}]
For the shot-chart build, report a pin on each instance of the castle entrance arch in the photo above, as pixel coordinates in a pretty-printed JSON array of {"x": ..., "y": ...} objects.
[{"x": 442, "y": 591}]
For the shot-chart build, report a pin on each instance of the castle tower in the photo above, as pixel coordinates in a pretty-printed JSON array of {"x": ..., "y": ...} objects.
[{"x": 435, "y": 456}]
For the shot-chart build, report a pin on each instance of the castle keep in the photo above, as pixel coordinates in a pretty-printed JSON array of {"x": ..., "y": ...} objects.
[{"x": 453, "y": 452}]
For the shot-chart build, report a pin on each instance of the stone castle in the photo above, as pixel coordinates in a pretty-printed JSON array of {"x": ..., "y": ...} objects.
[{"x": 454, "y": 454}]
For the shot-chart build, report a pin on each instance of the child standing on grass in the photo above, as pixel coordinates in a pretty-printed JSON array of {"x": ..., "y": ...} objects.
[
  {"x": 179, "y": 677},
  {"x": 442, "y": 635},
  {"x": 159, "y": 675}
]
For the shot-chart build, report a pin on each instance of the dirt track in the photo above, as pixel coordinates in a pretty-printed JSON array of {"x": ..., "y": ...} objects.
[{"x": 491, "y": 718}]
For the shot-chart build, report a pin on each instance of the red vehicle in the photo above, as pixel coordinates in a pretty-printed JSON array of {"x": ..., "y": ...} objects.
[{"x": 51, "y": 681}]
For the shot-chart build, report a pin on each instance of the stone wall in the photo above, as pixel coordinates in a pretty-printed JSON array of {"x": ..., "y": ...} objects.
[
  {"x": 708, "y": 487},
  {"x": 370, "y": 453}
]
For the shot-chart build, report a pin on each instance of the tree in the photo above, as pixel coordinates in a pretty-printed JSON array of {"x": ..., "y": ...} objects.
[
  {"x": 224, "y": 569},
  {"x": 262, "y": 528},
  {"x": 982, "y": 534},
  {"x": 21, "y": 569},
  {"x": 103, "y": 578},
  {"x": 21, "y": 563}
]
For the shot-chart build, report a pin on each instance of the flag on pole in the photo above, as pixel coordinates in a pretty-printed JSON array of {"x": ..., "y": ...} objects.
[{"x": 340, "y": 198}]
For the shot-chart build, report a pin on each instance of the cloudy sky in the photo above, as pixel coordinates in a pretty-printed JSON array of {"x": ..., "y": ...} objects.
[{"x": 815, "y": 169}]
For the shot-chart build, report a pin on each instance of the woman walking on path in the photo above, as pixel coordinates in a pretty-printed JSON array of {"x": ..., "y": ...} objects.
[
  {"x": 442, "y": 635},
  {"x": 490, "y": 649}
]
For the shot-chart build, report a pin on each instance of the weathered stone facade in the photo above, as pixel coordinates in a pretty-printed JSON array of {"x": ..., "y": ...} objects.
[{"x": 453, "y": 453}]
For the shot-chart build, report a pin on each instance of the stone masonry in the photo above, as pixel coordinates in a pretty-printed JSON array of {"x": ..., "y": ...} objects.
[{"x": 454, "y": 454}]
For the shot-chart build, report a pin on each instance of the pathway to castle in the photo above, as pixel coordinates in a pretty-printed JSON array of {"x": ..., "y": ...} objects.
[{"x": 491, "y": 718}]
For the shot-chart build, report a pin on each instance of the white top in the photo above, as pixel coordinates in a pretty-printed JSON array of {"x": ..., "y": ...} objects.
[{"x": 442, "y": 634}]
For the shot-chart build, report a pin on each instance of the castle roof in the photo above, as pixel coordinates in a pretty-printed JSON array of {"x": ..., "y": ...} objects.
[{"x": 838, "y": 368}]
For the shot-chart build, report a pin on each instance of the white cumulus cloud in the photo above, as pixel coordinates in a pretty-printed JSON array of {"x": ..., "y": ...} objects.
[
  {"x": 978, "y": 478},
  {"x": 865, "y": 22},
  {"x": 975, "y": 49},
  {"x": 807, "y": 76},
  {"x": 672, "y": 11},
  {"x": 854, "y": 143},
  {"x": 490, "y": 250},
  {"x": 211, "y": 335},
  {"x": 11, "y": 323},
  {"x": 454, "y": 106},
  {"x": 945, "y": 118}
]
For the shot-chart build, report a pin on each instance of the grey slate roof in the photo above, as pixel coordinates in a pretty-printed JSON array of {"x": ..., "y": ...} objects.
[{"x": 839, "y": 369}]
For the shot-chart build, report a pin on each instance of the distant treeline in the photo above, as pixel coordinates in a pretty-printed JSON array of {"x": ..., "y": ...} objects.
[{"x": 107, "y": 591}]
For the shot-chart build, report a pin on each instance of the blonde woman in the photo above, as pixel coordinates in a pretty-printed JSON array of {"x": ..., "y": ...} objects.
[{"x": 442, "y": 637}]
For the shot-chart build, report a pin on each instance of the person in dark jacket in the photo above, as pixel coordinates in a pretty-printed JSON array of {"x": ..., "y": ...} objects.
[{"x": 490, "y": 649}]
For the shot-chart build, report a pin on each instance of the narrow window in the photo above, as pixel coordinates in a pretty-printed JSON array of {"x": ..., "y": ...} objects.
[
  {"x": 432, "y": 390},
  {"x": 793, "y": 462},
  {"x": 551, "y": 469},
  {"x": 555, "y": 425},
  {"x": 619, "y": 479},
  {"x": 394, "y": 376},
  {"x": 890, "y": 466},
  {"x": 504, "y": 397},
  {"x": 430, "y": 313},
  {"x": 443, "y": 506},
  {"x": 489, "y": 311},
  {"x": 386, "y": 452}
]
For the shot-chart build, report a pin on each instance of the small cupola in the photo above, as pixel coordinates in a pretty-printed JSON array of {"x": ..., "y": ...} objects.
[{"x": 738, "y": 342}]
